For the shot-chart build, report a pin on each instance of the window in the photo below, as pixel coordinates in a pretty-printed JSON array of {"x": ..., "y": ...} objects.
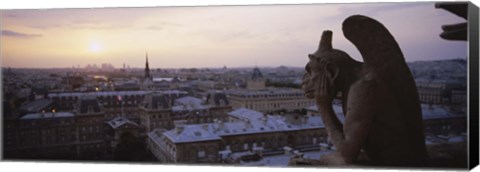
[
  {"x": 201, "y": 154},
  {"x": 90, "y": 109},
  {"x": 245, "y": 146}
]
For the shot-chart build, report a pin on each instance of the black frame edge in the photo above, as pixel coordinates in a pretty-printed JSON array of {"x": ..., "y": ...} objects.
[{"x": 473, "y": 37}]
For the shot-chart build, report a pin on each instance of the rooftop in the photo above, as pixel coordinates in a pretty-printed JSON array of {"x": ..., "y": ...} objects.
[
  {"x": 218, "y": 98},
  {"x": 37, "y": 105},
  {"x": 189, "y": 108},
  {"x": 188, "y": 133},
  {"x": 113, "y": 93},
  {"x": 189, "y": 100},
  {"x": 244, "y": 113},
  {"x": 120, "y": 121},
  {"x": 251, "y": 122},
  {"x": 438, "y": 112},
  {"x": 267, "y": 91},
  {"x": 47, "y": 115},
  {"x": 428, "y": 112},
  {"x": 337, "y": 108}
]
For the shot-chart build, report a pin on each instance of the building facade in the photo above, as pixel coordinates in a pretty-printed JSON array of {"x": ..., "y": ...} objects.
[
  {"x": 247, "y": 131},
  {"x": 160, "y": 110},
  {"x": 61, "y": 135},
  {"x": 270, "y": 100},
  {"x": 45, "y": 135},
  {"x": 437, "y": 91}
]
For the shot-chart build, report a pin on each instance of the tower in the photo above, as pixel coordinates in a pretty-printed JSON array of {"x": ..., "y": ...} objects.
[
  {"x": 257, "y": 81},
  {"x": 147, "y": 69},
  {"x": 147, "y": 83}
]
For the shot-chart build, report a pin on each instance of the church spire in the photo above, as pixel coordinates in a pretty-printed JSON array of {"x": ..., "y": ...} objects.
[{"x": 147, "y": 69}]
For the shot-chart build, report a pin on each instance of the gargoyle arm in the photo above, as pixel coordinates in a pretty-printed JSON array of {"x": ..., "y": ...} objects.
[{"x": 350, "y": 137}]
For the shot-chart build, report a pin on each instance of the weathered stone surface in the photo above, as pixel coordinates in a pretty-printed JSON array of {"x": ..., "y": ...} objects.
[
  {"x": 455, "y": 32},
  {"x": 379, "y": 99}
]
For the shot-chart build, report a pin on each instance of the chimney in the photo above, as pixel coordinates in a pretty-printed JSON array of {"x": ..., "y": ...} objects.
[
  {"x": 305, "y": 119},
  {"x": 179, "y": 123},
  {"x": 205, "y": 127},
  {"x": 179, "y": 129},
  {"x": 248, "y": 124},
  {"x": 220, "y": 124},
  {"x": 179, "y": 126},
  {"x": 264, "y": 119}
]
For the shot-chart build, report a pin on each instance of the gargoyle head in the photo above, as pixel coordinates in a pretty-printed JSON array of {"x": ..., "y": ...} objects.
[{"x": 325, "y": 61}]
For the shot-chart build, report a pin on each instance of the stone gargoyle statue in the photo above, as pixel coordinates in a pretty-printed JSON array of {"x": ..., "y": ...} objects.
[{"x": 383, "y": 119}]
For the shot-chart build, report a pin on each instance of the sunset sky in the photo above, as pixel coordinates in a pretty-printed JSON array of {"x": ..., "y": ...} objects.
[{"x": 232, "y": 36}]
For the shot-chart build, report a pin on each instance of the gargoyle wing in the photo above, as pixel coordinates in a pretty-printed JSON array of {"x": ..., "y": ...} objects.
[
  {"x": 377, "y": 46},
  {"x": 384, "y": 62}
]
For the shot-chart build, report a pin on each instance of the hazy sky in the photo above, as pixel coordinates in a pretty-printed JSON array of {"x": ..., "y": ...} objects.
[{"x": 234, "y": 36}]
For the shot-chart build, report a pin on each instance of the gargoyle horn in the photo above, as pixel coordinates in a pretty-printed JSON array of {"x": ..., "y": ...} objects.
[{"x": 326, "y": 41}]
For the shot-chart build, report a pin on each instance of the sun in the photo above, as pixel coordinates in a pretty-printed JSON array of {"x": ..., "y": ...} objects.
[{"x": 95, "y": 47}]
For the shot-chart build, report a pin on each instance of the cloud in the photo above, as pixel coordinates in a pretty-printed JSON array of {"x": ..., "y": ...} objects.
[
  {"x": 170, "y": 24},
  {"x": 19, "y": 35},
  {"x": 163, "y": 25},
  {"x": 234, "y": 35},
  {"x": 154, "y": 27},
  {"x": 43, "y": 27}
]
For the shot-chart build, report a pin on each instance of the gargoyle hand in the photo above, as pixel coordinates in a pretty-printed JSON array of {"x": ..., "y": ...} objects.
[{"x": 325, "y": 91}]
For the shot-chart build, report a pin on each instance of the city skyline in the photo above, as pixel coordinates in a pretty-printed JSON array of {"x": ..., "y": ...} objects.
[{"x": 232, "y": 36}]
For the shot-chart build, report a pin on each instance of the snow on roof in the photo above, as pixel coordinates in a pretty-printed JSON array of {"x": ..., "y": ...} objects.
[
  {"x": 189, "y": 108},
  {"x": 270, "y": 124},
  {"x": 189, "y": 133},
  {"x": 438, "y": 112},
  {"x": 283, "y": 159},
  {"x": 457, "y": 139},
  {"x": 119, "y": 121},
  {"x": 428, "y": 112},
  {"x": 37, "y": 105},
  {"x": 244, "y": 113},
  {"x": 189, "y": 103},
  {"x": 47, "y": 115},
  {"x": 161, "y": 79},
  {"x": 189, "y": 100},
  {"x": 157, "y": 136},
  {"x": 214, "y": 131},
  {"x": 337, "y": 108}
]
